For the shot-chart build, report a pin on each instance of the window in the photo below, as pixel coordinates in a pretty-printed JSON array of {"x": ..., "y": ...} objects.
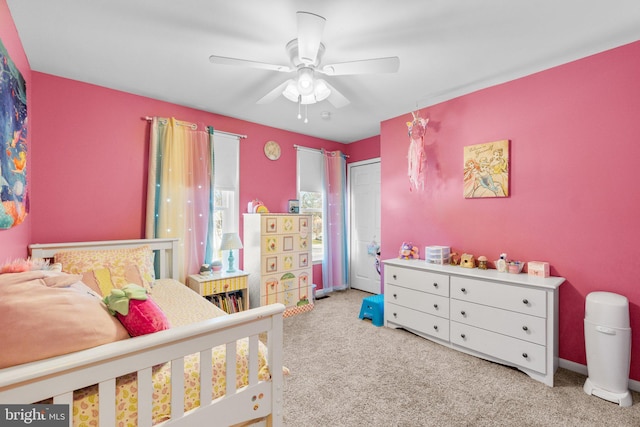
[
  {"x": 311, "y": 203},
  {"x": 226, "y": 191},
  {"x": 310, "y": 168}
]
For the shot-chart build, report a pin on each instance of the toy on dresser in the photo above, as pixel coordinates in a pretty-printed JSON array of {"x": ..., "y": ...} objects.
[
  {"x": 467, "y": 261},
  {"x": 409, "y": 251}
]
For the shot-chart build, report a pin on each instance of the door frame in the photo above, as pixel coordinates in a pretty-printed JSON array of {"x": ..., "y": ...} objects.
[{"x": 349, "y": 166}]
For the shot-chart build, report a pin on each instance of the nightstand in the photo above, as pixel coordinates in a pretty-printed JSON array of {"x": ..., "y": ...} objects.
[{"x": 226, "y": 290}]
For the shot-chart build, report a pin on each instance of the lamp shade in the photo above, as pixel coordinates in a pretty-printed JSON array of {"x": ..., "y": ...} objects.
[
  {"x": 305, "y": 89},
  {"x": 230, "y": 241},
  {"x": 305, "y": 81}
]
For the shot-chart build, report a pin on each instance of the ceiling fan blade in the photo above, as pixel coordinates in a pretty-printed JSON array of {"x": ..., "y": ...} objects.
[
  {"x": 273, "y": 94},
  {"x": 310, "y": 29},
  {"x": 245, "y": 63},
  {"x": 390, "y": 64},
  {"x": 336, "y": 99}
]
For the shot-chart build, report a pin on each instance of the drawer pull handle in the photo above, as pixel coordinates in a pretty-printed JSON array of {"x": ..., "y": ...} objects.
[
  {"x": 395, "y": 296},
  {"x": 395, "y": 277},
  {"x": 395, "y": 314},
  {"x": 435, "y": 285},
  {"x": 525, "y": 355},
  {"x": 464, "y": 313},
  {"x": 435, "y": 306},
  {"x": 525, "y": 301},
  {"x": 524, "y": 328},
  {"x": 463, "y": 336},
  {"x": 435, "y": 327},
  {"x": 464, "y": 290}
]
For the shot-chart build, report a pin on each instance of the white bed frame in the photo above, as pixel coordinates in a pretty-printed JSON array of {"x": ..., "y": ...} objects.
[{"x": 58, "y": 377}]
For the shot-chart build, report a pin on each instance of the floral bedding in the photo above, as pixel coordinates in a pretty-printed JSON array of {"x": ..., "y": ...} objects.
[{"x": 182, "y": 306}]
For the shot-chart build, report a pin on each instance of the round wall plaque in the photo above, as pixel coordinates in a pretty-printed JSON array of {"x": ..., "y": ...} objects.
[{"x": 272, "y": 150}]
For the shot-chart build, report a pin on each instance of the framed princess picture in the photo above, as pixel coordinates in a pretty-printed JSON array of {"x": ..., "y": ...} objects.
[{"x": 486, "y": 170}]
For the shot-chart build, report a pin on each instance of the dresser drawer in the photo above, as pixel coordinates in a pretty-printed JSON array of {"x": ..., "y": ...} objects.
[
  {"x": 284, "y": 243},
  {"x": 424, "y": 323},
  {"x": 283, "y": 224},
  {"x": 514, "y": 351},
  {"x": 216, "y": 285},
  {"x": 419, "y": 280},
  {"x": 501, "y": 295},
  {"x": 288, "y": 298},
  {"x": 420, "y": 301},
  {"x": 517, "y": 325},
  {"x": 279, "y": 263}
]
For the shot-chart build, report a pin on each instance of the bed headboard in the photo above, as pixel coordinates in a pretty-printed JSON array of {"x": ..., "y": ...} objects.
[{"x": 166, "y": 251}]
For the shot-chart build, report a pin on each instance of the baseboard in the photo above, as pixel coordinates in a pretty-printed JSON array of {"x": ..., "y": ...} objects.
[
  {"x": 321, "y": 293},
  {"x": 582, "y": 369},
  {"x": 573, "y": 366}
]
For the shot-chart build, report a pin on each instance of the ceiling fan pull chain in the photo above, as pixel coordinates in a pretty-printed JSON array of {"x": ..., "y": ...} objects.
[
  {"x": 306, "y": 119},
  {"x": 299, "y": 104}
]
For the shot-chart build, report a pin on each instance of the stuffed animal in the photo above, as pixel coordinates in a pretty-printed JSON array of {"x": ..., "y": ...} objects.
[
  {"x": 467, "y": 261},
  {"x": 409, "y": 251},
  {"x": 136, "y": 311},
  {"x": 454, "y": 258},
  {"x": 21, "y": 265}
]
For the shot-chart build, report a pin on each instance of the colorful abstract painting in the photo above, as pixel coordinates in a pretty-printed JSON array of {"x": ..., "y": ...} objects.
[
  {"x": 13, "y": 156},
  {"x": 486, "y": 170}
]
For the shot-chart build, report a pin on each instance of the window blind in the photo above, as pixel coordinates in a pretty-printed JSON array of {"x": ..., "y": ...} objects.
[
  {"x": 310, "y": 170},
  {"x": 226, "y": 151}
]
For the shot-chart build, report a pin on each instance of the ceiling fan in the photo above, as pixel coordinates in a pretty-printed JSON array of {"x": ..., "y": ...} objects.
[{"x": 305, "y": 54}]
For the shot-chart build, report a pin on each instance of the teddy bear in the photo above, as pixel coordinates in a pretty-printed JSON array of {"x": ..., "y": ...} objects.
[{"x": 409, "y": 251}]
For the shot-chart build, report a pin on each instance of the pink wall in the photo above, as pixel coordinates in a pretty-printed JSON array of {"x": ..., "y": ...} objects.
[
  {"x": 91, "y": 159},
  {"x": 364, "y": 149},
  {"x": 13, "y": 242},
  {"x": 575, "y": 146},
  {"x": 90, "y": 165}
]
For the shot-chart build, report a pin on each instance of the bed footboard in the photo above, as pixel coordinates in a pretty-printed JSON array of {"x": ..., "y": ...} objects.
[{"x": 58, "y": 377}]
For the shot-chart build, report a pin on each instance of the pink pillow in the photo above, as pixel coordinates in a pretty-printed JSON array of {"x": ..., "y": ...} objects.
[{"x": 145, "y": 317}]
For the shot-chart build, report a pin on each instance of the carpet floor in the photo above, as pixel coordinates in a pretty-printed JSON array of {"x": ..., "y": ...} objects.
[{"x": 346, "y": 372}]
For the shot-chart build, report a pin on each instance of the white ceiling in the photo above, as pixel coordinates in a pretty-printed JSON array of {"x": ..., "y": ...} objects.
[{"x": 161, "y": 49}]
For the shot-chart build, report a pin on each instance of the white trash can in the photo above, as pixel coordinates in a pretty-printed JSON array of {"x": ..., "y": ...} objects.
[{"x": 608, "y": 342}]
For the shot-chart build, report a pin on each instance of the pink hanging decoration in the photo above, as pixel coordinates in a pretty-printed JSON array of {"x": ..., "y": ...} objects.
[{"x": 417, "y": 156}]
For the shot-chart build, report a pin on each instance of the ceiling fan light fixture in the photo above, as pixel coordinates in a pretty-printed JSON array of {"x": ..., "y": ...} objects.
[
  {"x": 291, "y": 91},
  {"x": 308, "y": 99},
  {"x": 305, "y": 80},
  {"x": 321, "y": 90}
]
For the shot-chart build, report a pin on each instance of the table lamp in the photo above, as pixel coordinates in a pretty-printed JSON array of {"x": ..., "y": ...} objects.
[{"x": 230, "y": 241}]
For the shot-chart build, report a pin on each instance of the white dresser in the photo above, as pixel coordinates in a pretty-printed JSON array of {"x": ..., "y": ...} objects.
[{"x": 506, "y": 318}]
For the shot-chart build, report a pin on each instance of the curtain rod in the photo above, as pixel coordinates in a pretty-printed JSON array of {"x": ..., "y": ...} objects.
[
  {"x": 321, "y": 150},
  {"x": 194, "y": 126}
]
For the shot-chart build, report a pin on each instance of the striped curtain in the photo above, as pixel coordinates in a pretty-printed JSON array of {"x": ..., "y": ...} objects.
[
  {"x": 335, "y": 265},
  {"x": 180, "y": 190}
]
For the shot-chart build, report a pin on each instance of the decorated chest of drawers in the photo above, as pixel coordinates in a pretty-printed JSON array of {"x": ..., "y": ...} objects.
[
  {"x": 277, "y": 253},
  {"x": 506, "y": 318}
]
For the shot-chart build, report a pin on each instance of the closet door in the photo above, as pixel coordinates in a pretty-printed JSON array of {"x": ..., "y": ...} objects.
[{"x": 364, "y": 224}]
